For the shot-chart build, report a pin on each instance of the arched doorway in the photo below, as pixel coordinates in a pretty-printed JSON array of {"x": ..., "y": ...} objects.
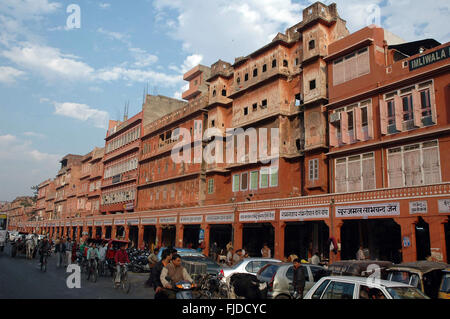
[
  {"x": 220, "y": 234},
  {"x": 98, "y": 232},
  {"x": 120, "y": 232},
  {"x": 305, "y": 238},
  {"x": 423, "y": 245},
  {"x": 108, "y": 231},
  {"x": 168, "y": 236},
  {"x": 254, "y": 236},
  {"x": 191, "y": 236},
  {"x": 133, "y": 235},
  {"x": 149, "y": 235},
  {"x": 382, "y": 237}
]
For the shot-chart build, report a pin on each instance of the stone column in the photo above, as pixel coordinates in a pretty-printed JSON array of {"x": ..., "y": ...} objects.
[
  {"x": 279, "y": 228},
  {"x": 103, "y": 231},
  {"x": 158, "y": 242},
  {"x": 237, "y": 237},
  {"x": 335, "y": 231},
  {"x": 408, "y": 230},
  {"x": 206, "y": 240},
  {"x": 113, "y": 232},
  {"x": 140, "y": 236},
  {"x": 179, "y": 235},
  {"x": 437, "y": 237},
  {"x": 127, "y": 232}
]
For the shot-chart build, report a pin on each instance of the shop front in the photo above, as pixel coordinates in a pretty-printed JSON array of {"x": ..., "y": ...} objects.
[{"x": 257, "y": 229}]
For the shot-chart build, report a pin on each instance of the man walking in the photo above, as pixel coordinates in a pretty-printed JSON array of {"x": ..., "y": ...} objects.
[
  {"x": 299, "y": 279},
  {"x": 68, "y": 252}
]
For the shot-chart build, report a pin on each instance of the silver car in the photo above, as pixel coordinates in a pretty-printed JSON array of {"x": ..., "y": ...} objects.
[
  {"x": 246, "y": 266},
  {"x": 279, "y": 277},
  {"x": 346, "y": 287}
]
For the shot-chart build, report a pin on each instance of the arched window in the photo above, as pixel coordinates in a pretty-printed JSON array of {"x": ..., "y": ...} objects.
[
  {"x": 214, "y": 93},
  {"x": 274, "y": 63},
  {"x": 224, "y": 92}
]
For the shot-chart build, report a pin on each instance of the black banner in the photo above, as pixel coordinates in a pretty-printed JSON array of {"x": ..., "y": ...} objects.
[{"x": 429, "y": 58}]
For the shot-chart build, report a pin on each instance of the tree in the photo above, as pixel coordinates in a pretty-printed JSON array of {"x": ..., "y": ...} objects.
[{"x": 35, "y": 190}]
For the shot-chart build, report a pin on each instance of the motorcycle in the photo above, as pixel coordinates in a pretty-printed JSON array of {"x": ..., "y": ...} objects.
[{"x": 183, "y": 290}]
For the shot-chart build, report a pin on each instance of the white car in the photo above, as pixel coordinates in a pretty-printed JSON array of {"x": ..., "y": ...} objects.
[
  {"x": 13, "y": 235},
  {"x": 337, "y": 287},
  {"x": 246, "y": 266}
]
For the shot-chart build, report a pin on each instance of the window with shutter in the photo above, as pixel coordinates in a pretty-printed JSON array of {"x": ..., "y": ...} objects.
[
  {"x": 363, "y": 62},
  {"x": 235, "y": 183},
  {"x": 264, "y": 178},
  {"x": 338, "y": 72},
  {"x": 273, "y": 176},
  {"x": 368, "y": 171},
  {"x": 412, "y": 166},
  {"x": 395, "y": 171},
  {"x": 341, "y": 175},
  {"x": 354, "y": 174},
  {"x": 254, "y": 180},
  {"x": 244, "y": 181},
  {"x": 431, "y": 163}
]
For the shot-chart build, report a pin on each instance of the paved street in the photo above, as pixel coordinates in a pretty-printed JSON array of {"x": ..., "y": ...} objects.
[{"x": 22, "y": 278}]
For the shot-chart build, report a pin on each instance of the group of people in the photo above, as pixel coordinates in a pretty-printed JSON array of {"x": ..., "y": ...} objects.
[
  {"x": 167, "y": 272},
  {"x": 233, "y": 256}
]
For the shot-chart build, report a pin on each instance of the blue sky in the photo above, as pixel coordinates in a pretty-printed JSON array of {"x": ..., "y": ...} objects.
[{"x": 60, "y": 86}]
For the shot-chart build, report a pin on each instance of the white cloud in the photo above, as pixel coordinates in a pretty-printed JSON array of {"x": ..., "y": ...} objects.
[
  {"x": 23, "y": 166},
  {"x": 34, "y": 134},
  {"x": 49, "y": 62},
  {"x": 142, "y": 58},
  {"x": 9, "y": 75},
  {"x": 113, "y": 35},
  {"x": 104, "y": 5},
  {"x": 28, "y": 9},
  {"x": 178, "y": 94},
  {"x": 95, "y": 89},
  {"x": 83, "y": 113},
  {"x": 226, "y": 28}
]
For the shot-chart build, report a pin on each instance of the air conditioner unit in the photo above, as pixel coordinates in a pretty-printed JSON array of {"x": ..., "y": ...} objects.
[{"x": 335, "y": 117}]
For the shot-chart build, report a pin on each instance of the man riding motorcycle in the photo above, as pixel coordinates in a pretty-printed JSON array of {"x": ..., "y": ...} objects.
[{"x": 176, "y": 272}]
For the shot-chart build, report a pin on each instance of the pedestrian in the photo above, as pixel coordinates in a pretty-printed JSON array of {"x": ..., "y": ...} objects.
[
  {"x": 238, "y": 256},
  {"x": 360, "y": 253},
  {"x": 74, "y": 250},
  {"x": 265, "y": 251},
  {"x": 229, "y": 258},
  {"x": 153, "y": 258},
  {"x": 213, "y": 251},
  {"x": 58, "y": 252},
  {"x": 315, "y": 259},
  {"x": 299, "y": 279}
]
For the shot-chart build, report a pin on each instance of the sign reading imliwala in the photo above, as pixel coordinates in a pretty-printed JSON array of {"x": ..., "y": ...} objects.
[
  {"x": 391, "y": 209},
  {"x": 300, "y": 214},
  {"x": 220, "y": 218},
  {"x": 255, "y": 217},
  {"x": 430, "y": 58}
]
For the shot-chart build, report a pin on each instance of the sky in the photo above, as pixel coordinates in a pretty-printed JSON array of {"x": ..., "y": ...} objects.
[{"x": 62, "y": 78}]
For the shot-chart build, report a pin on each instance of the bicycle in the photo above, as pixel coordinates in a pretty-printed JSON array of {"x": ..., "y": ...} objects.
[
  {"x": 124, "y": 283},
  {"x": 92, "y": 270}
]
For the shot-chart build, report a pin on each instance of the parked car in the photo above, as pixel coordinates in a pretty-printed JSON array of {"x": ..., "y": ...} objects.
[
  {"x": 246, "y": 266},
  {"x": 351, "y": 287},
  {"x": 279, "y": 277},
  {"x": 424, "y": 275},
  {"x": 444, "y": 290},
  {"x": 359, "y": 268},
  {"x": 188, "y": 254}
]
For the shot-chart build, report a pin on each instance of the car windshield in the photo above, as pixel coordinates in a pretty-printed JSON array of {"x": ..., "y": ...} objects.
[
  {"x": 406, "y": 293},
  {"x": 446, "y": 284},
  {"x": 238, "y": 264}
]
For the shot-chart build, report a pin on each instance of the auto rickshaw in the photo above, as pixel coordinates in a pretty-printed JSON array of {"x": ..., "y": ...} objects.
[
  {"x": 425, "y": 275},
  {"x": 444, "y": 290},
  {"x": 359, "y": 268}
]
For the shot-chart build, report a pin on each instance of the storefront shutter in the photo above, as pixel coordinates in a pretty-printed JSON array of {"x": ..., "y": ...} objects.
[
  {"x": 431, "y": 165},
  {"x": 395, "y": 172},
  {"x": 341, "y": 176},
  {"x": 413, "y": 173},
  {"x": 354, "y": 176},
  {"x": 368, "y": 172}
]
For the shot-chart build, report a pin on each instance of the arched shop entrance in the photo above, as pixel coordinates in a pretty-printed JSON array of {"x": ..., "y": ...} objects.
[
  {"x": 108, "y": 231},
  {"x": 220, "y": 234},
  {"x": 133, "y": 235},
  {"x": 423, "y": 246},
  {"x": 305, "y": 238},
  {"x": 90, "y": 232},
  {"x": 98, "y": 232},
  {"x": 254, "y": 236},
  {"x": 120, "y": 232},
  {"x": 74, "y": 232},
  {"x": 168, "y": 236},
  {"x": 191, "y": 236},
  {"x": 149, "y": 235},
  {"x": 381, "y": 236}
]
